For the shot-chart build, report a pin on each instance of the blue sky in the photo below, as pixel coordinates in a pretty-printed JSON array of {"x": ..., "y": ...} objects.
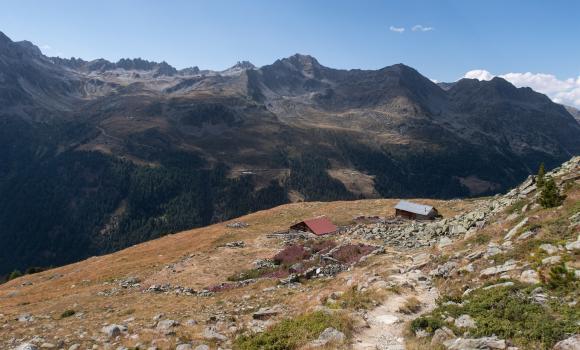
[{"x": 498, "y": 36}]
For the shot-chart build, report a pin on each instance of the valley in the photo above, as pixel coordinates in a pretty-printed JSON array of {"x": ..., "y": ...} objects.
[{"x": 96, "y": 156}]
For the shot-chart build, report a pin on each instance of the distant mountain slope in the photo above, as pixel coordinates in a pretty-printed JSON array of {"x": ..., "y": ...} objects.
[
  {"x": 95, "y": 155},
  {"x": 574, "y": 112}
]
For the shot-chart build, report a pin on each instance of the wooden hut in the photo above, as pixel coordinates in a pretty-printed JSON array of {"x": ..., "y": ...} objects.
[{"x": 414, "y": 211}]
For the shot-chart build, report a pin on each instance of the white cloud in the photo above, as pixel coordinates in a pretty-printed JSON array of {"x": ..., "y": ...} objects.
[
  {"x": 421, "y": 28},
  {"x": 565, "y": 91},
  {"x": 397, "y": 29}
]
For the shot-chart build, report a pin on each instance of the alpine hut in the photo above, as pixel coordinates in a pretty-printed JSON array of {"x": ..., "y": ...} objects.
[
  {"x": 319, "y": 226},
  {"x": 410, "y": 210}
]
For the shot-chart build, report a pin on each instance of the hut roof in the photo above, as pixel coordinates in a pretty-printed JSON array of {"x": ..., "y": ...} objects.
[
  {"x": 411, "y": 207},
  {"x": 320, "y": 226}
]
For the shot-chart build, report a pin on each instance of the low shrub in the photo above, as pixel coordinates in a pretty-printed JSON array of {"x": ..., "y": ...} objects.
[
  {"x": 67, "y": 313},
  {"x": 427, "y": 323},
  {"x": 295, "y": 332},
  {"x": 561, "y": 278},
  {"x": 357, "y": 300},
  {"x": 511, "y": 313},
  {"x": 291, "y": 254},
  {"x": 352, "y": 253}
]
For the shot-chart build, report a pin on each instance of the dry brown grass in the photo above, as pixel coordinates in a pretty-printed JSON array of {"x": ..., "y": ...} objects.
[
  {"x": 412, "y": 305},
  {"x": 189, "y": 259}
]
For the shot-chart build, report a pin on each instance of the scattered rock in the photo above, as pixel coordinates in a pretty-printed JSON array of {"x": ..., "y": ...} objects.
[
  {"x": 530, "y": 276},
  {"x": 202, "y": 347},
  {"x": 443, "y": 270},
  {"x": 25, "y": 318},
  {"x": 573, "y": 246},
  {"x": 166, "y": 326},
  {"x": 445, "y": 241},
  {"x": 113, "y": 330},
  {"x": 236, "y": 244},
  {"x": 27, "y": 346},
  {"x": 191, "y": 322},
  {"x": 184, "y": 347},
  {"x": 548, "y": 248},
  {"x": 465, "y": 321},
  {"x": 507, "y": 266},
  {"x": 551, "y": 260},
  {"x": 266, "y": 313},
  {"x": 210, "y": 333},
  {"x": 237, "y": 224},
  {"x": 515, "y": 229},
  {"x": 527, "y": 235},
  {"x": 499, "y": 285}
]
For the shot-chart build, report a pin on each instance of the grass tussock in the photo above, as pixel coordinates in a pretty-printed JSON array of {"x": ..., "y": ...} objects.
[
  {"x": 355, "y": 299},
  {"x": 411, "y": 306},
  {"x": 296, "y": 332}
]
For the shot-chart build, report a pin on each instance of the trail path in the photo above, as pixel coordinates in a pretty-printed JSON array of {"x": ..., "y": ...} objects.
[{"x": 386, "y": 323}]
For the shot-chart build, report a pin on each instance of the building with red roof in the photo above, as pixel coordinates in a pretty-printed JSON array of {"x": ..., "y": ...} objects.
[{"x": 319, "y": 226}]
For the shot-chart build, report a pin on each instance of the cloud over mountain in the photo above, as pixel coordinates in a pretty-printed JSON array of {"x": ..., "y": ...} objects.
[{"x": 565, "y": 91}]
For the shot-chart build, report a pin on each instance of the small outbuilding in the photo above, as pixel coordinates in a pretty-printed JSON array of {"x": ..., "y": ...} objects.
[
  {"x": 319, "y": 226},
  {"x": 414, "y": 211}
]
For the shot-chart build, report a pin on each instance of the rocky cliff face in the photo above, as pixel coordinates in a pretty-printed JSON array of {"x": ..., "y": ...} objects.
[{"x": 107, "y": 154}]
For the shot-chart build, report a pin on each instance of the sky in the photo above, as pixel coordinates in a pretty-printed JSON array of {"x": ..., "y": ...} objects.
[{"x": 532, "y": 41}]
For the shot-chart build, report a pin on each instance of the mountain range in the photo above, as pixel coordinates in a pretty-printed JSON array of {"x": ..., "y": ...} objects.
[{"x": 96, "y": 155}]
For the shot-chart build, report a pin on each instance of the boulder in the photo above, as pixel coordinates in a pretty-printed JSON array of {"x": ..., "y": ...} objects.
[
  {"x": 202, "y": 347},
  {"x": 443, "y": 270},
  {"x": 25, "y": 318},
  {"x": 548, "y": 248},
  {"x": 507, "y": 266},
  {"x": 551, "y": 260},
  {"x": 441, "y": 335},
  {"x": 572, "y": 343},
  {"x": 530, "y": 276},
  {"x": 265, "y": 313},
  {"x": 27, "y": 346},
  {"x": 328, "y": 336},
  {"x": 573, "y": 246},
  {"x": 515, "y": 229},
  {"x": 113, "y": 330},
  {"x": 465, "y": 321},
  {"x": 485, "y": 343},
  {"x": 184, "y": 347},
  {"x": 210, "y": 333},
  {"x": 166, "y": 325}
]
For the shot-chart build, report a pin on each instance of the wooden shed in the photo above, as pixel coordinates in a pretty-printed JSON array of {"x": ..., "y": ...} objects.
[
  {"x": 319, "y": 226},
  {"x": 414, "y": 211}
]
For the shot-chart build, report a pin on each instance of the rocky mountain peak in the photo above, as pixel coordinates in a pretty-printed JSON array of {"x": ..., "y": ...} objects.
[
  {"x": 302, "y": 62},
  {"x": 244, "y": 65},
  {"x": 4, "y": 39}
]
